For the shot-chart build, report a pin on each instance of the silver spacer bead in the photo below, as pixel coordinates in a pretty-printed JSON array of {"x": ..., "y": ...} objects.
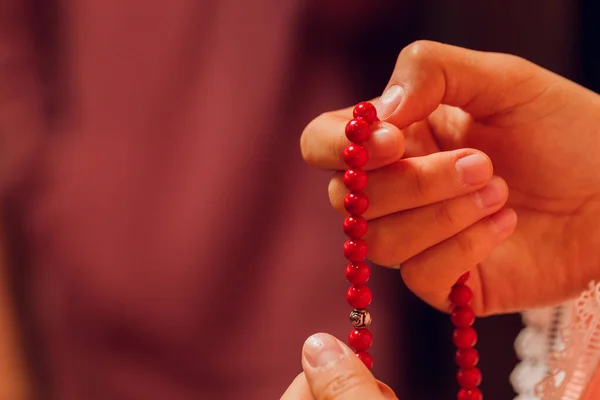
[{"x": 360, "y": 318}]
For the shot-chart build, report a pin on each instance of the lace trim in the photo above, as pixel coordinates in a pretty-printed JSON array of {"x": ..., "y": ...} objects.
[
  {"x": 532, "y": 346},
  {"x": 572, "y": 367},
  {"x": 559, "y": 349}
]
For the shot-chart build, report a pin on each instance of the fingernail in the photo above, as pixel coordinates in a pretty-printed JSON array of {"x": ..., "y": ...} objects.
[
  {"x": 386, "y": 144},
  {"x": 492, "y": 194},
  {"x": 322, "y": 350},
  {"x": 504, "y": 220},
  {"x": 389, "y": 101},
  {"x": 473, "y": 169}
]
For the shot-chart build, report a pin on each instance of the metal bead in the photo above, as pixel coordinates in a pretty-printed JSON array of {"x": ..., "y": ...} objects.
[{"x": 360, "y": 318}]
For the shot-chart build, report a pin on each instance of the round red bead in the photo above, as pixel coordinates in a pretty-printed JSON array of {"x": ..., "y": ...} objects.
[
  {"x": 358, "y": 131},
  {"x": 358, "y": 273},
  {"x": 464, "y": 337},
  {"x": 462, "y": 317},
  {"x": 355, "y": 250},
  {"x": 355, "y": 226},
  {"x": 355, "y": 179},
  {"x": 467, "y": 357},
  {"x": 463, "y": 278},
  {"x": 461, "y": 295},
  {"x": 359, "y": 296},
  {"x": 366, "y": 111},
  {"x": 469, "y": 394},
  {"x": 469, "y": 378},
  {"x": 355, "y": 155},
  {"x": 365, "y": 358},
  {"x": 356, "y": 203},
  {"x": 360, "y": 339}
]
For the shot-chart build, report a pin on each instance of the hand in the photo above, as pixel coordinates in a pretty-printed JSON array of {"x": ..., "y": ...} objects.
[
  {"x": 333, "y": 372},
  {"x": 439, "y": 213}
]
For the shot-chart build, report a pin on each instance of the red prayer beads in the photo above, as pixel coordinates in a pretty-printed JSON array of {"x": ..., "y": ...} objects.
[
  {"x": 356, "y": 203},
  {"x": 359, "y": 296},
  {"x": 464, "y": 338}
]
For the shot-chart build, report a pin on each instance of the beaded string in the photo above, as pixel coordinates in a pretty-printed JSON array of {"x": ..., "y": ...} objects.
[
  {"x": 356, "y": 203},
  {"x": 358, "y": 272},
  {"x": 464, "y": 338}
]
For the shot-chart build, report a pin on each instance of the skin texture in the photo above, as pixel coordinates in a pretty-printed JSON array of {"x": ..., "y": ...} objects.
[{"x": 540, "y": 136}]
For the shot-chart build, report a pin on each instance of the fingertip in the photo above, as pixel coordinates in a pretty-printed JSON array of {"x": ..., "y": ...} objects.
[
  {"x": 322, "y": 350},
  {"x": 504, "y": 221},
  {"x": 385, "y": 146}
]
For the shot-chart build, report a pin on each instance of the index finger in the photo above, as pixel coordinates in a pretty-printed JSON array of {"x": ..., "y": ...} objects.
[
  {"x": 324, "y": 140},
  {"x": 483, "y": 84}
]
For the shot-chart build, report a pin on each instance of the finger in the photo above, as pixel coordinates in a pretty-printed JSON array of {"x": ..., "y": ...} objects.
[
  {"x": 419, "y": 181},
  {"x": 398, "y": 237},
  {"x": 324, "y": 140},
  {"x": 334, "y": 372},
  {"x": 298, "y": 390},
  {"x": 428, "y": 74},
  {"x": 387, "y": 391},
  {"x": 431, "y": 273}
]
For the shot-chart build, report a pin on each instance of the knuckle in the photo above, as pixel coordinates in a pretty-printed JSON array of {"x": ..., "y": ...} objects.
[
  {"x": 417, "y": 51},
  {"x": 417, "y": 188},
  {"x": 342, "y": 384},
  {"x": 445, "y": 215}
]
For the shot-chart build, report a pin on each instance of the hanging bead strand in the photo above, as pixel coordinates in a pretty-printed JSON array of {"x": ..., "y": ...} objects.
[
  {"x": 356, "y": 203},
  {"x": 465, "y": 338}
]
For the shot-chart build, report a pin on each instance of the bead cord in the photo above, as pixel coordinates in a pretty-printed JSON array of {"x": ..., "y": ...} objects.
[
  {"x": 356, "y": 203},
  {"x": 359, "y": 296},
  {"x": 465, "y": 338}
]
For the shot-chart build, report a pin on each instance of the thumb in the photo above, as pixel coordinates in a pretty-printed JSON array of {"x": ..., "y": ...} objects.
[
  {"x": 428, "y": 74},
  {"x": 333, "y": 371}
]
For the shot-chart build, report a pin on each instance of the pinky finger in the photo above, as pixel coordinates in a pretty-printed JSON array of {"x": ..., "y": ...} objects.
[{"x": 431, "y": 273}]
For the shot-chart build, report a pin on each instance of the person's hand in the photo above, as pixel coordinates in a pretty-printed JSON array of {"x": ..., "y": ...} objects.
[
  {"x": 437, "y": 208},
  {"x": 333, "y": 372}
]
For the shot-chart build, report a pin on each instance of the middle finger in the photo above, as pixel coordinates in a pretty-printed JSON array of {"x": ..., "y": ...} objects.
[{"x": 418, "y": 181}]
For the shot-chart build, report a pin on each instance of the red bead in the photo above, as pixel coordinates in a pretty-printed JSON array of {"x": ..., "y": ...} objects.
[
  {"x": 461, "y": 295},
  {"x": 463, "y": 278},
  {"x": 356, "y": 179},
  {"x": 467, "y": 357},
  {"x": 464, "y": 337},
  {"x": 355, "y": 250},
  {"x": 469, "y": 378},
  {"x": 359, "y": 296},
  {"x": 356, "y": 203},
  {"x": 469, "y": 394},
  {"x": 358, "y": 273},
  {"x": 365, "y": 358},
  {"x": 358, "y": 131},
  {"x": 360, "y": 339},
  {"x": 355, "y": 155},
  {"x": 366, "y": 111},
  {"x": 355, "y": 226},
  {"x": 462, "y": 317}
]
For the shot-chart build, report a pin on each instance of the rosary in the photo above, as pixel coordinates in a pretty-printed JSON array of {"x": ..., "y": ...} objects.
[{"x": 358, "y": 272}]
